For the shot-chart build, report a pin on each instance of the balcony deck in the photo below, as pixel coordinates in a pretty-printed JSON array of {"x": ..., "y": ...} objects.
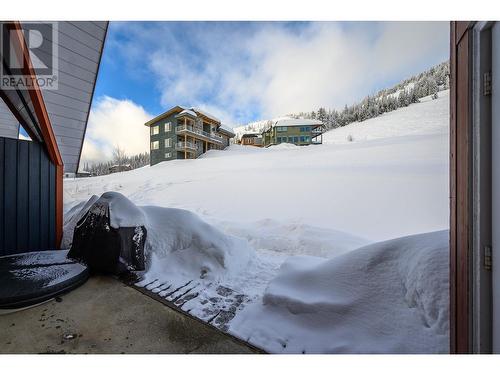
[
  {"x": 106, "y": 316},
  {"x": 199, "y": 134}
]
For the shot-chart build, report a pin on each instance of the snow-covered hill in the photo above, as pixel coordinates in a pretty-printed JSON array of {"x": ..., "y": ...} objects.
[
  {"x": 424, "y": 118},
  {"x": 322, "y": 201},
  {"x": 391, "y": 181}
]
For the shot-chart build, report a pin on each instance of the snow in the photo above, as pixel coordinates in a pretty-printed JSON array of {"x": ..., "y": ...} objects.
[
  {"x": 178, "y": 242},
  {"x": 281, "y": 226},
  {"x": 72, "y": 217},
  {"x": 205, "y": 113},
  {"x": 123, "y": 213},
  {"x": 296, "y": 122},
  {"x": 256, "y": 127},
  {"x": 425, "y": 118},
  {"x": 183, "y": 246},
  {"x": 295, "y": 238},
  {"x": 390, "y": 297},
  {"x": 187, "y": 112},
  {"x": 226, "y": 129}
]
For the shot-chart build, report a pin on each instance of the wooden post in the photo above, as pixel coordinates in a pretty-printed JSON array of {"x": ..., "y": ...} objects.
[{"x": 460, "y": 188}]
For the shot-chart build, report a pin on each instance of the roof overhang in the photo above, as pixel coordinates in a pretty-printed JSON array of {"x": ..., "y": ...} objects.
[
  {"x": 177, "y": 109},
  {"x": 225, "y": 131},
  {"x": 56, "y": 116},
  {"x": 187, "y": 113},
  {"x": 171, "y": 111}
]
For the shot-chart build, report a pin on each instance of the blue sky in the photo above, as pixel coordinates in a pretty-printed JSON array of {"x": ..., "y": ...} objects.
[
  {"x": 126, "y": 73},
  {"x": 247, "y": 71}
]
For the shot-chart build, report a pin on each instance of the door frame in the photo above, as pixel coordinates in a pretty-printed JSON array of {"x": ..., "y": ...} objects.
[{"x": 471, "y": 317}]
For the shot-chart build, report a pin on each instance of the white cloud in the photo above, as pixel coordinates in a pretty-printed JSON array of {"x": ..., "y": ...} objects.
[
  {"x": 240, "y": 71},
  {"x": 272, "y": 69},
  {"x": 114, "y": 122}
]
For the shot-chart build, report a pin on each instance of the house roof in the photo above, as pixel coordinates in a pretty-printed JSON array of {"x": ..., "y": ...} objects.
[
  {"x": 297, "y": 122},
  {"x": 206, "y": 114},
  {"x": 226, "y": 130},
  {"x": 172, "y": 110},
  {"x": 66, "y": 107},
  {"x": 250, "y": 135},
  {"x": 293, "y": 122},
  {"x": 186, "y": 112},
  {"x": 179, "y": 108}
]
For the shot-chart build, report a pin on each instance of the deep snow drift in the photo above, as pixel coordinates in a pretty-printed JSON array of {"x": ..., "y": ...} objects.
[
  {"x": 377, "y": 189},
  {"x": 251, "y": 210},
  {"x": 178, "y": 242},
  {"x": 389, "y": 297}
]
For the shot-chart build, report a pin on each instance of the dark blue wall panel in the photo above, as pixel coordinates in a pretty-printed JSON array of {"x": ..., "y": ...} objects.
[{"x": 27, "y": 197}]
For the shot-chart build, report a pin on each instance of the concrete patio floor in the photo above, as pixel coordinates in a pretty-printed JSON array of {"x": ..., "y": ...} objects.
[{"x": 106, "y": 316}]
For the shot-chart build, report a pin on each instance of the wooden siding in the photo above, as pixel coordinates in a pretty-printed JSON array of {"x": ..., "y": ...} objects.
[
  {"x": 80, "y": 46},
  {"x": 157, "y": 156},
  {"x": 460, "y": 187},
  {"x": 27, "y": 197},
  {"x": 271, "y": 136}
]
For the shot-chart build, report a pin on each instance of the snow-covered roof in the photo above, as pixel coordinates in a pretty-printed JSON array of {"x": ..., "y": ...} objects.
[
  {"x": 184, "y": 110},
  {"x": 226, "y": 129},
  {"x": 120, "y": 165},
  {"x": 297, "y": 122},
  {"x": 250, "y": 135},
  {"x": 187, "y": 112},
  {"x": 206, "y": 114}
]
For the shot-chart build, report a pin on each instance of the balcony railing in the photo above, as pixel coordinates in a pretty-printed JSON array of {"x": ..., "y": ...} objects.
[
  {"x": 186, "y": 146},
  {"x": 189, "y": 129}
]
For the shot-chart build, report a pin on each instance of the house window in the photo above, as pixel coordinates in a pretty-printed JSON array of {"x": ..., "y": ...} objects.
[
  {"x": 307, "y": 138},
  {"x": 168, "y": 127},
  {"x": 295, "y": 139},
  {"x": 281, "y": 128},
  {"x": 279, "y": 139},
  {"x": 168, "y": 142},
  {"x": 283, "y": 139},
  {"x": 155, "y": 145},
  {"x": 308, "y": 128},
  {"x": 302, "y": 129},
  {"x": 302, "y": 139},
  {"x": 168, "y": 155},
  {"x": 155, "y": 130}
]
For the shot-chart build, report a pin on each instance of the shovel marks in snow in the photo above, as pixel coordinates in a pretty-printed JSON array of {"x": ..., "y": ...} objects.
[{"x": 214, "y": 304}]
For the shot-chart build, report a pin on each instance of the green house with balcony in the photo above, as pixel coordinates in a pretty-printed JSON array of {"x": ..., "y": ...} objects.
[
  {"x": 300, "y": 132},
  {"x": 185, "y": 133}
]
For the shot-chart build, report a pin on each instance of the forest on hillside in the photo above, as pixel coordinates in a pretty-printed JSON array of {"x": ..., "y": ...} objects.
[
  {"x": 403, "y": 94},
  {"x": 409, "y": 91}
]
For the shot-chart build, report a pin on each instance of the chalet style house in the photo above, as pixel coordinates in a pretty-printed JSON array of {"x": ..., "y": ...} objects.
[
  {"x": 300, "y": 132},
  {"x": 251, "y": 139},
  {"x": 185, "y": 133}
]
